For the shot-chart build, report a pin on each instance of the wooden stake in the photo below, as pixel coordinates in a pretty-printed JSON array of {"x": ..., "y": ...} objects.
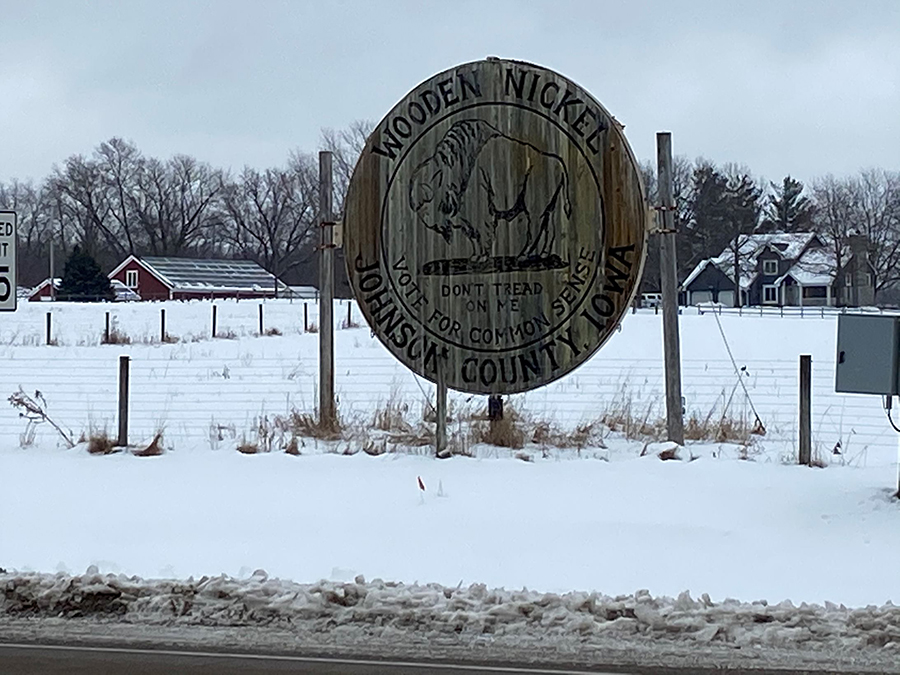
[
  {"x": 806, "y": 410},
  {"x": 123, "y": 401},
  {"x": 669, "y": 288},
  {"x": 326, "y": 293}
]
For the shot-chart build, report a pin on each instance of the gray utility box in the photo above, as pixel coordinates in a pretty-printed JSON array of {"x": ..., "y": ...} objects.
[{"x": 868, "y": 354}]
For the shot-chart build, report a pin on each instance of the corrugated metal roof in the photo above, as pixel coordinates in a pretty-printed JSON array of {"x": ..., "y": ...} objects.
[{"x": 203, "y": 276}]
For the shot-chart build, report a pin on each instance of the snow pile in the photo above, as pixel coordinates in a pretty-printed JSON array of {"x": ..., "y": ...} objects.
[{"x": 434, "y": 610}]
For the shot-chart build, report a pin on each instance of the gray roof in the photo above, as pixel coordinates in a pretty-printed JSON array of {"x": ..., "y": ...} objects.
[{"x": 202, "y": 275}]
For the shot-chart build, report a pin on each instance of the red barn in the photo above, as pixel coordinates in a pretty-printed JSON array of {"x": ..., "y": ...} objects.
[
  {"x": 164, "y": 278},
  {"x": 42, "y": 290}
]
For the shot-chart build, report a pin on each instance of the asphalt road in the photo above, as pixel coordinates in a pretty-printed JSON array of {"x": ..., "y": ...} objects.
[{"x": 23, "y": 659}]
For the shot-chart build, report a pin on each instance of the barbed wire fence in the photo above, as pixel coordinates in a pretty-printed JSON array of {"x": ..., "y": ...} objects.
[{"x": 212, "y": 392}]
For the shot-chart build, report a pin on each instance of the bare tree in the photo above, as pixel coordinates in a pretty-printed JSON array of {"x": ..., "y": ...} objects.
[
  {"x": 176, "y": 204},
  {"x": 270, "y": 214},
  {"x": 346, "y": 146},
  {"x": 876, "y": 198},
  {"x": 835, "y": 207},
  {"x": 34, "y": 228}
]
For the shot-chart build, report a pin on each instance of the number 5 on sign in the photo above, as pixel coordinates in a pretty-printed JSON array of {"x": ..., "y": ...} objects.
[{"x": 7, "y": 261}]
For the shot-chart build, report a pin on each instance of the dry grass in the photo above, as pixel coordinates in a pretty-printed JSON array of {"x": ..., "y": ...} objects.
[
  {"x": 273, "y": 332},
  {"x": 99, "y": 443},
  {"x": 226, "y": 334},
  {"x": 511, "y": 431},
  {"x": 312, "y": 328},
  {"x": 153, "y": 450},
  {"x": 293, "y": 447},
  {"x": 248, "y": 448},
  {"x": 115, "y": 337},
  {"x": 306, "y": 424},
  {"x": 585, "y": 434}
]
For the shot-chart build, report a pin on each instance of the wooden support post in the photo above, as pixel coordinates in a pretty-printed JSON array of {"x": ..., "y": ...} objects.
[
  {"x": 106, "y": 330},
  {"x": 49, "y": 328},
  {"x": 214, "y": 321},
  {"x": 162, "y": 325},
  {"x": 669, "y": 288},
  {"x": 326, "y": 293},
  {"x": 440, "y": 419},
  {"x": 123, "y": 401},
  {"x": 806, "y": 410},
  {"x": 260, "y": 320}
]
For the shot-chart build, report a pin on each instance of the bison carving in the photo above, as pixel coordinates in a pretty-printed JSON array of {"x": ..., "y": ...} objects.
[{"x": 479, "y": 177}]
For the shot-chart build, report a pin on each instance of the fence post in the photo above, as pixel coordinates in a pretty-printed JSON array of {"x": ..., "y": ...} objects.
[
  {"x": 305, "y": 317},
  {"x": 162, "y": 325},
  {"x": 805, "y": 410},
  {"x": 106, "y": 330},
  {"x": 49, "y": 323},
  {"x": 260, "y": 320},
  {"x": 327, "y": 416},
  {"x": 349, "y": 314},
  {"x": 123, "y": 401},
  {"x": 214, "y": 321}
]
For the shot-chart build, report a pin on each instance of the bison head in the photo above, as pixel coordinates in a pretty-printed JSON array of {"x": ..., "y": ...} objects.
[{"x": 424, "y": 186}]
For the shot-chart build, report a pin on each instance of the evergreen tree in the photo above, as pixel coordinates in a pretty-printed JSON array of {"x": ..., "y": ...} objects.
[
  {"x": 83, "y": 280},
  {"x": 788, "y": 210}
]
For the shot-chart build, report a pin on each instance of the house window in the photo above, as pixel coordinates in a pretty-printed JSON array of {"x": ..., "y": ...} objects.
[
  {"x": 815, "y": 292},
  {"x": 770, "y": 295},
  {"x": 131, "y": 278},
  {"x": 870, "y": 279},
  {"x": 770, "y": 267}
]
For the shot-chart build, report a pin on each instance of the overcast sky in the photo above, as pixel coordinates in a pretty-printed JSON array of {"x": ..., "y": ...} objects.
[{"x": 788, "y": 86}]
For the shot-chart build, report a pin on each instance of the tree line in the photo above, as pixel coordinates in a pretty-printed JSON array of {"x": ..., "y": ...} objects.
[{"x": 118, "y": 201}]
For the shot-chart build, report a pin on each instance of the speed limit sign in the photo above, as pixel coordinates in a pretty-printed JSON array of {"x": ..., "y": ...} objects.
[{"x": 7, "y": 261}]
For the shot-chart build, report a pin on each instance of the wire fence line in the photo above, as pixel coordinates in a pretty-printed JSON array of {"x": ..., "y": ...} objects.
[{"x": 205, "y": 399}]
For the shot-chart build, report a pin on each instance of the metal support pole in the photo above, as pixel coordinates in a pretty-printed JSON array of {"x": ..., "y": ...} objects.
[
  {"x": 123, "y": 401},
  {"x": 326, "y": 293},
  {"x": 214, "y": 320},
  {"x": 806, "y": 410},
  {"x": 106, "y": 330},
  {"x": 260, "y": 319},
  {"x": 669, "y": 287},
  {"x": 162, "y": 325},
  {"x": 49, "y": 328},
  {"x": 305, "y": 317},
  {"x": 440, "y": 421}
]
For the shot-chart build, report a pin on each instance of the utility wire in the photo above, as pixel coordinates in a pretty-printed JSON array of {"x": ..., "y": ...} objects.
[{"x": 737, "y": 371}]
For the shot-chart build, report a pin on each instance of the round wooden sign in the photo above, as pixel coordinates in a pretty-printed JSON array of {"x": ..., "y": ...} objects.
[{"x": 495, "y": 227}]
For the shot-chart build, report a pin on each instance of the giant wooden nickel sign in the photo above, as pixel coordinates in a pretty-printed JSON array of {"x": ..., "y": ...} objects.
[{"x": 495, "y": 227}]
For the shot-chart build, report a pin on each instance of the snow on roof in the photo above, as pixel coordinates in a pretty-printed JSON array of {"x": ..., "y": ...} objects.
[
  {"x": 816, "y": 267},
  {"x": 205, "y": 276},
  {"x": 788, "y": 245}
]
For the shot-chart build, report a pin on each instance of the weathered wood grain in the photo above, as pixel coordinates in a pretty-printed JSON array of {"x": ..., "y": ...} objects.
[{"x": 495, "y": 222}]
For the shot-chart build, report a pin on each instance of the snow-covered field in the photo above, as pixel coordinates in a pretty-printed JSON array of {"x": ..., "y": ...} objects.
[{"x": 604, "y": 520}]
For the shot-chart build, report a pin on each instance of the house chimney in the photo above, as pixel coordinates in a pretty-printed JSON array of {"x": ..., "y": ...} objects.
[{"x": 859, "y": 267}]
